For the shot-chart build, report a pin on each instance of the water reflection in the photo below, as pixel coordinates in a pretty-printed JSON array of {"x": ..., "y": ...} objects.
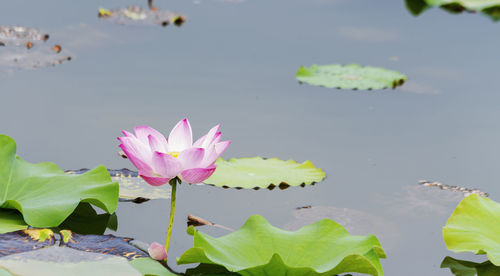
[
  {"x": 469, "y": 268},
  {"x": 85, "y": 220}
]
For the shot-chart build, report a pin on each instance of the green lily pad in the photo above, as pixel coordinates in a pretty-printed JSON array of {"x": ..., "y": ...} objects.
[
  {"x": 466, "y": 268},
  {"x": 256, "y": 172},
  {"x": 258, "y": 248},
  {"x": 490, "y": 8},
  {"x": 351, "y": 76},
  {"x": 44, "y": 194},
  {"x": 474, "y": 227}
]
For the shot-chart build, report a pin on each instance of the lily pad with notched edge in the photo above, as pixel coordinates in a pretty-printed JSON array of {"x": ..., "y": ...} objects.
[
  {"x": 258, "y": 248},
  {"x": 474, "y": 226},
  {"x": 256, "y": 172},
  {"x": 490, "y": 8},
  {"x": 466, "y": 268},
  {"x": 44, "y": 194},
  {"x": 351, "y": 76}
]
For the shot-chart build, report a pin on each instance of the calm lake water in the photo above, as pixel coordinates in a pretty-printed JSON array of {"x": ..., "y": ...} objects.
[{"x": 234, "y": 63}]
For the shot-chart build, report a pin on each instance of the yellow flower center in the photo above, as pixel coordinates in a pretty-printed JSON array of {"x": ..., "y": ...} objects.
[{"x": 174, "y": 153}]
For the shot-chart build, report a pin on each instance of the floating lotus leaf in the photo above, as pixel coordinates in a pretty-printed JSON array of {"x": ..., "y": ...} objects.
[
  {"x": 63, "y": 261},
  {"x": 256, "y": 172},
  {"x": 132, "y": 187},
  {"x": 44, "y": 194},
  {"x": 466, "y": 268},
  {"x": 136, "y": 15},
  {"x": 351, "y": 76},
  {"x": 474, "y": 226},
  {"x": 258, "y": 248},
  {"x": 490, "y": 8}
]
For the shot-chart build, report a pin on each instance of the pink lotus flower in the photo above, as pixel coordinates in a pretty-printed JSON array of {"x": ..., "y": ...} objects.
[
  {"x": 157, "y": 251},
  {"x": 159, "y": 160}
]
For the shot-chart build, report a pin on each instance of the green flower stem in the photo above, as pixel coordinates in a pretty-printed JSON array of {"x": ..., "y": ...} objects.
[{"x": 173, "y": 183}]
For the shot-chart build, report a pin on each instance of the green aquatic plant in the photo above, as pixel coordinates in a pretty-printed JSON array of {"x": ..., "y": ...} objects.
[
  {"x": 257, "y": 172},
  {"x": 474, "y": 227},
  {"x": 351, "y": 76},
  {"x": 258, "y": 248},
  {"x": 44, "y": 194},
  {"x": 490, "y": 8}
]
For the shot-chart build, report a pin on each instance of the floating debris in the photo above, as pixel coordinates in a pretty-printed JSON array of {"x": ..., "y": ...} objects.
[
  {"x": 197, "y": 221},
  {"x": 18, "y": 35},
  {"x": 465, "y": 191},
  {"x": 23, "y": 51},
  {"x": 136, "y": 15}
]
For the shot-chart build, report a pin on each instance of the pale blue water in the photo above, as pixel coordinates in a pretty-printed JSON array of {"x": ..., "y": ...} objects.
[{"x": 235, "y": 64}]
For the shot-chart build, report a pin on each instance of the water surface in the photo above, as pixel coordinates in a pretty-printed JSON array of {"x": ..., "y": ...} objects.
[{"x": 234, "y": 63}]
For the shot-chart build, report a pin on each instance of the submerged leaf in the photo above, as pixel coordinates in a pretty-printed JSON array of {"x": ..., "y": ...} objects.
[
  {"x": 466, "y": 268},
  {"x": 256, "y": 172},
  {"x": 474, "y": 226},
  {"x": 105, "y": 244},
  {"x": 351, "y": 76},
  {"x": 258, "y": 248},
  {"x": 25, "y": 240},
  {"x": 44, "y": 194}
]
